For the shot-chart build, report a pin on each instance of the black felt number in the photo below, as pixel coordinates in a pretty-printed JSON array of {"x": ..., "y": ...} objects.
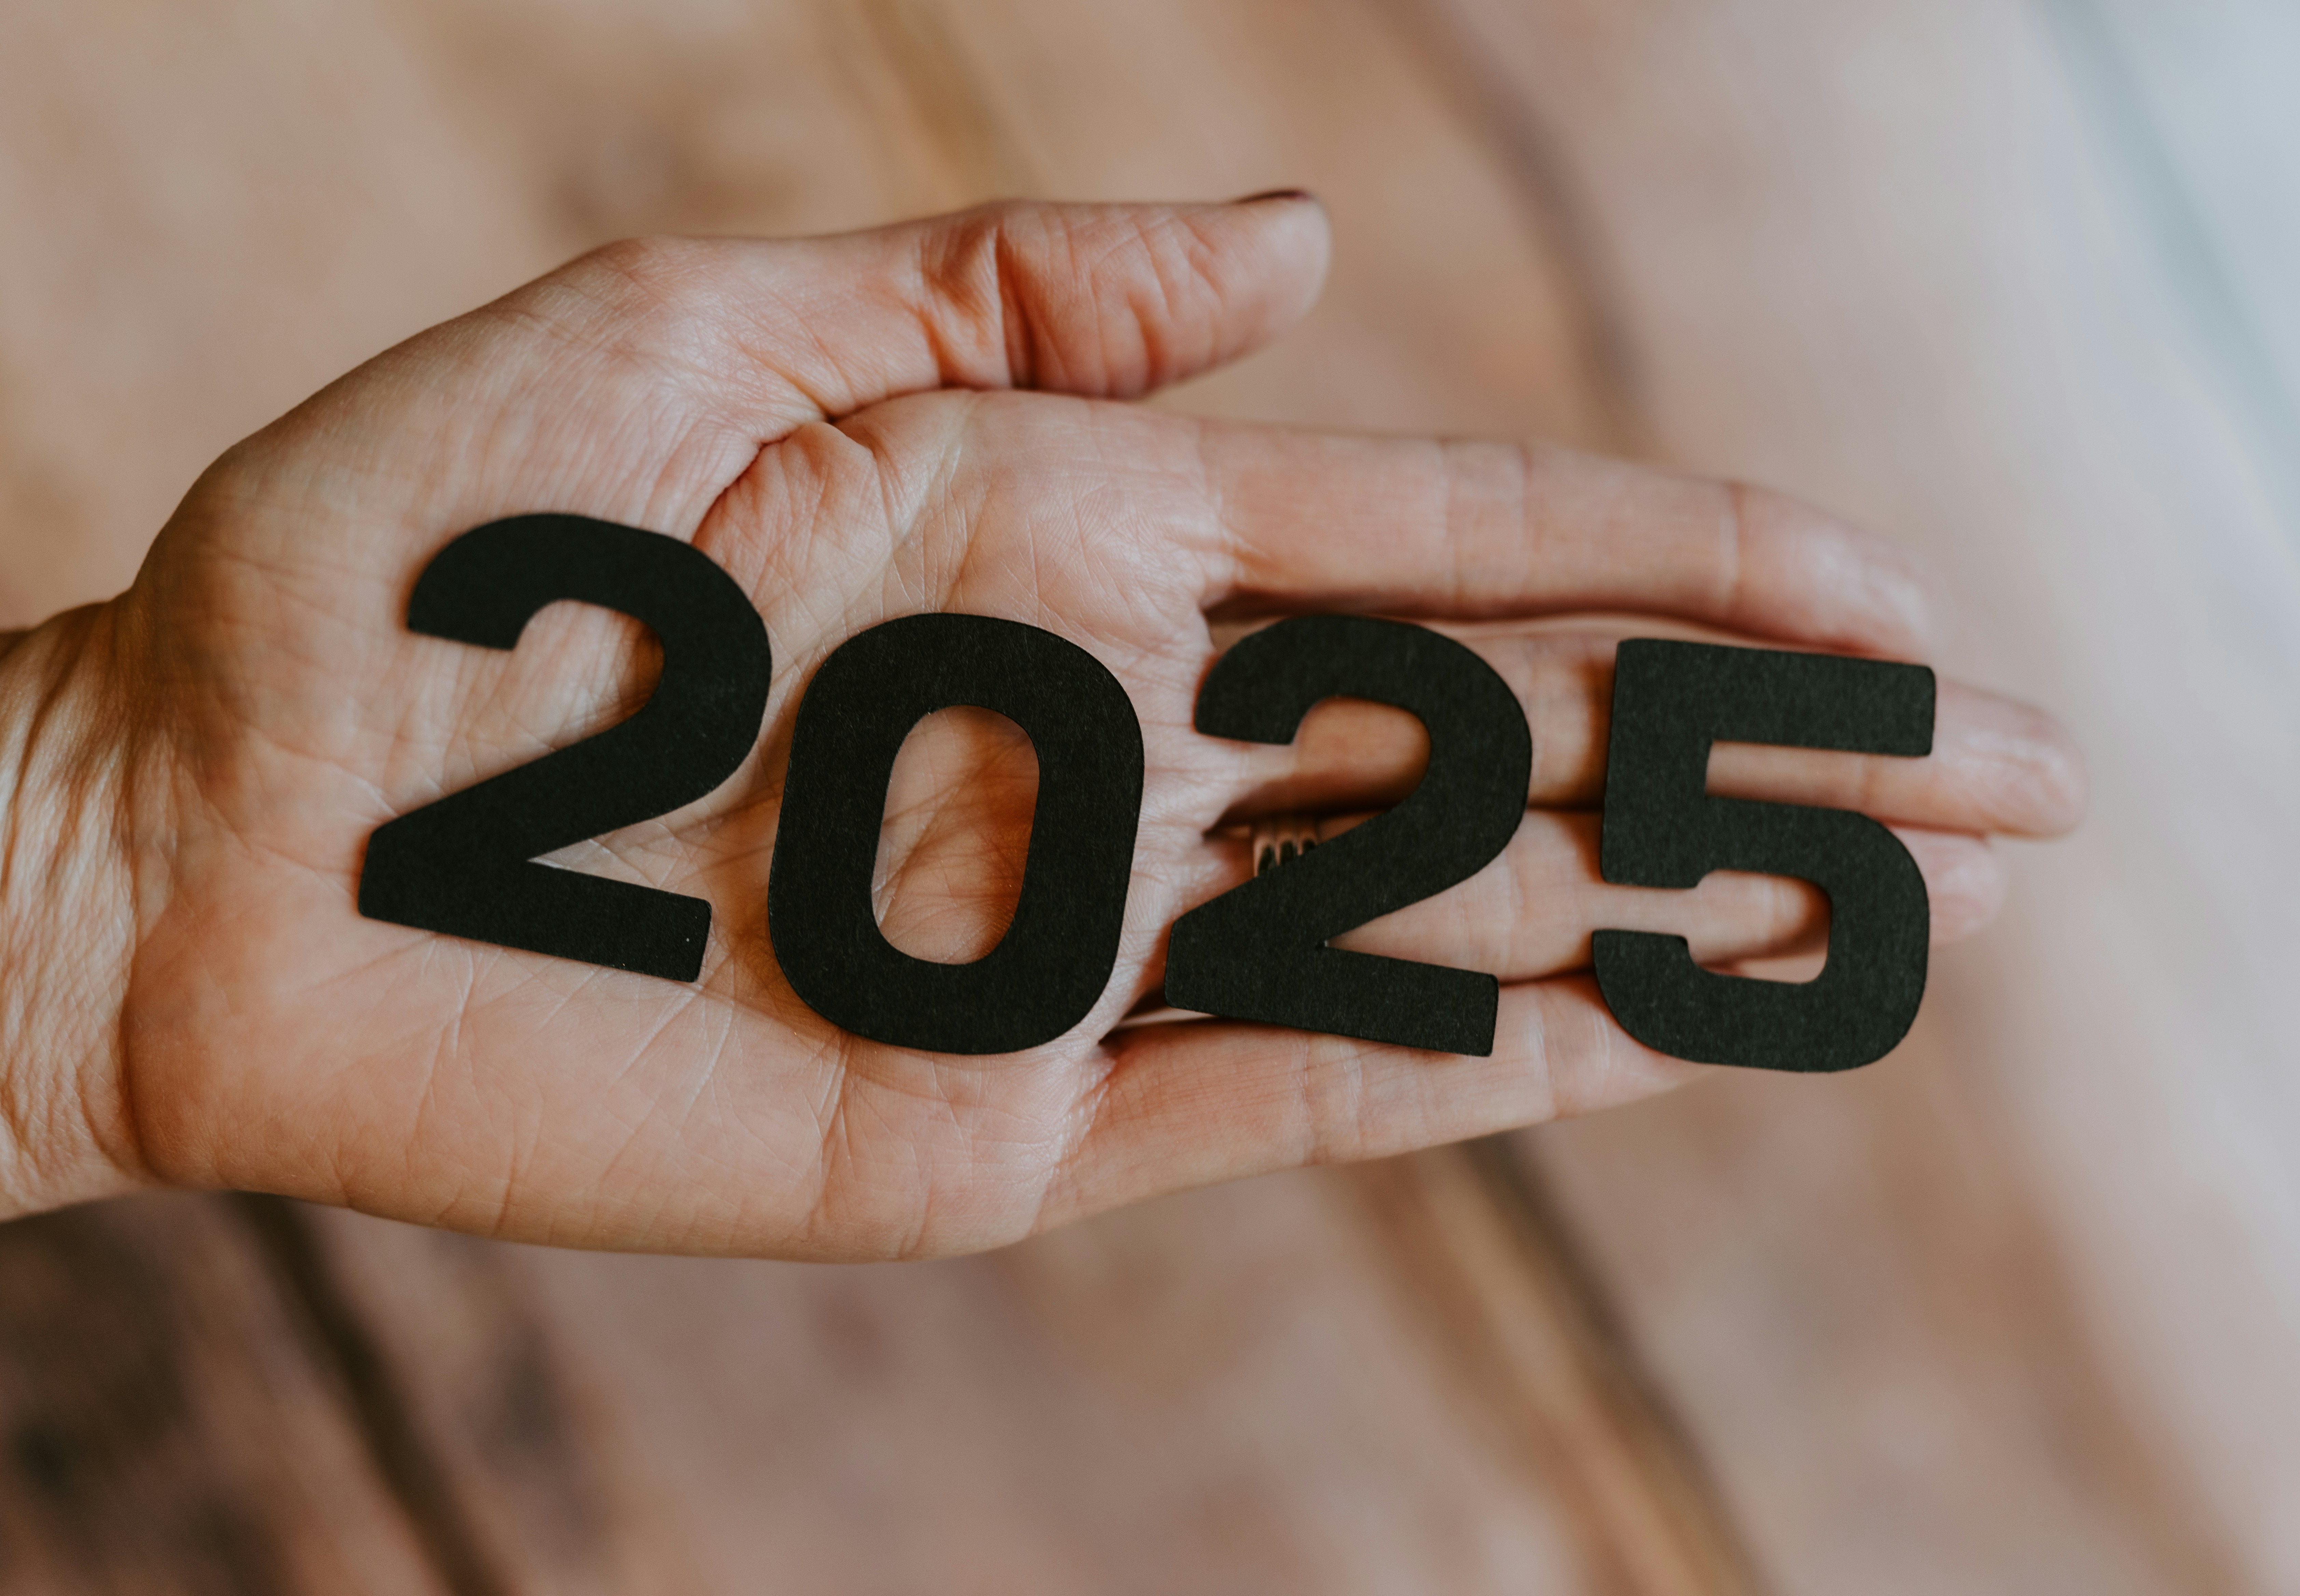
[
  {"x": 1057, "y": 954},
  {"x": 1259, "y": 951},
  {"x": 1671, "y": 702},
  {"x": 462, "y": 866}
]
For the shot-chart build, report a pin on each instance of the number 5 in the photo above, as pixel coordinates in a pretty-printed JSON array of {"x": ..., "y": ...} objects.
[{"x": 1671, "y": 702}]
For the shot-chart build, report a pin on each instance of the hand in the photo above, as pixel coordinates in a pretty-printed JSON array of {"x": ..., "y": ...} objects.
[{"x": 192, "y": 999}]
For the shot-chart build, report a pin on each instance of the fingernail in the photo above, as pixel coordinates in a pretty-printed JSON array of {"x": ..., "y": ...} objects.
[{"x": 1289, "y": 195}]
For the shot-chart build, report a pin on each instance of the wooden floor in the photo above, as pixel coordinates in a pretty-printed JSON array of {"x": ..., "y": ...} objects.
[{"x": 2017, "y": 1310}]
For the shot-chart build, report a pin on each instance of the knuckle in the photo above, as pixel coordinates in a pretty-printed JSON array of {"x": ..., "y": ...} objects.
[
  {"x": 654, "y": 267},
  {"x": 2055, "y": 787},
  {"x": 963, "y": 263},
  {"x": 642, "y": 292},
  {"x": 1080, "y": 296},
  {"x": 1891, "y": 584},
  {"x": 1966, "y": 882},
  {"x": 2061, "y": 782},
  {"x": 2026, "y": 773},
  {"x": 968, "y": 289}
]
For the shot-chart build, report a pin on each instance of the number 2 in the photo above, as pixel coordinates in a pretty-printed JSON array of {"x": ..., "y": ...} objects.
[
  {"x": 462, "y": 866},
  {"x": 1259, "y": 952}
]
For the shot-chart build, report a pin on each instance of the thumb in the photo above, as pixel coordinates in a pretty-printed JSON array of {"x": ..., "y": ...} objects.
[
  {"x": 1105, "y": 300},
  {"x": 637, "y": 381}
]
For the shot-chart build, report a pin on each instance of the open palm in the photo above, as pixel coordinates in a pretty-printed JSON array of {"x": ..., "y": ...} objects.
[{"x": 828, "y": 421}]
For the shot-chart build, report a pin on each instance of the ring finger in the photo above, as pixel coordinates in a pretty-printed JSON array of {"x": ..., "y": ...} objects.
[{"x": 1529, "y": 914}]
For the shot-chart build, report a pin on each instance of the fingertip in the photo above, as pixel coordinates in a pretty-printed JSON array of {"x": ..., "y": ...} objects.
[
  {"x": 1908, "y": 595},
  {"x": 1268, "y": 254},
  {"x": 2061, "y": 778},
  {"x": 1591, "y": 1063},
  {"x": 2022, "y": 771},
  {"x": 1857, "y": 590},
  {"x": 1965, "y": 879},
  {"x": 1112, "y": 301}
]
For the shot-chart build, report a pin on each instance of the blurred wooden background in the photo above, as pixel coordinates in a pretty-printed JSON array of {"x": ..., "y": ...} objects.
[{"x": 2014, "y": 1311}]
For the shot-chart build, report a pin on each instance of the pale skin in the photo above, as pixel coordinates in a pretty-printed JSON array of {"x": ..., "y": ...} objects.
[{"x": 191, "y": 998}]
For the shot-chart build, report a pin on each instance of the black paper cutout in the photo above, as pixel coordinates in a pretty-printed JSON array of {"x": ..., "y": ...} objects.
[
  {"x": 1672, "y": 700},
  {"x": 1259, "y": 952},
  {"x": 461, "y": 865},
  {"x": 1055, "y": 961}
]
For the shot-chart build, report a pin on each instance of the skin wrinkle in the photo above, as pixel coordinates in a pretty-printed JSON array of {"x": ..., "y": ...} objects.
[
  {"x": 78, "y": 811},
  {"x": 678, "y": 1008},
  {"x": 946, "y": 451},
  {"x": 632, "y": 1127},
  {"x": 1000, "y": 311},
  {"x": 972, "y": 316},
  {"x": 424, "y": 1110},
  {"x": 1607, "y": 1066},
  {"x": 1731, "y": 536},
  {"x": 1194, "y": 306},
  {"x": 1126, "y": 583},
  {"x": 840, "y": 1151},
  {"x": 1087, "y": 1108},
  {"x": 936, "y": 485},
  {"x": 953, "y": 1096},
  {"x": 1130, "y": 353},
  {"x": 1152, "y": 361},
  {"x": 659, "y": 1108},
  {"x": 1338, "y": 1107},
  {"x": 828, "y": 483},
  {"x": 1221, "y": 550},
  {"x": 524, "y": 1151},
  {"x": 662, "y": 317},
  {"x": 1534, "y": 535},
  {"x": 816, "y": 1219},
  {"x": 1022, "y": 1128},
  {"x": 2057, "y": 778},
  {"x": 1541, "y": 1063},
  {"x": 920, "y": 1223},
  {"x": 819, "y": 405},
  {"x": 1085, "y": 362}
]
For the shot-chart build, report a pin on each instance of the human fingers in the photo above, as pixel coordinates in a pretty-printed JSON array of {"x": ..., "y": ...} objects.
[
  {"x": 1529, "y": 914},
  {"x": 1314, "y": 520},
  {"x": 1997, "y": 765},
  {"x": 1195, "y": 1102},
  {"x": 1104, "y": 301}
]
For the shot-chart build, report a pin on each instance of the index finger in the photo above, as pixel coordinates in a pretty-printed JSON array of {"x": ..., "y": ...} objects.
[{"x": 1408, "y": 526}]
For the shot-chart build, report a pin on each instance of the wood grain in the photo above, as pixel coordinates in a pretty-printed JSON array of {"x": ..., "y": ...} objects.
[{"x": 169, "y": 1423}]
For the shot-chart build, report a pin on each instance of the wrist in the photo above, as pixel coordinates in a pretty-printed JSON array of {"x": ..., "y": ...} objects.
[{"x": 67, "y": 915}]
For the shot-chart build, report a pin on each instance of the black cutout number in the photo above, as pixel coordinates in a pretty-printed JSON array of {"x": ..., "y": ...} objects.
[
  {"x": 462, "y": 866},
  {"x": 1671, "y": 702},
  {"x": 1055, "y": 961},
  {"x": 1259, "y": 952}
]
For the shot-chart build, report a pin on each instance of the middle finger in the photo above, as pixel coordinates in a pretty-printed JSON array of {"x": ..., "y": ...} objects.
[{"x": 1997, "y": 764}]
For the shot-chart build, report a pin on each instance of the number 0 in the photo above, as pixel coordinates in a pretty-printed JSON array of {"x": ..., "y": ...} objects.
[{"x": 1055, "y": 959}]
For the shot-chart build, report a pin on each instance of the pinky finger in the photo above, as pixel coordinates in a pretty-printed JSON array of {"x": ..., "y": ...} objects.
[{"x": 1193, "y": 1103}]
